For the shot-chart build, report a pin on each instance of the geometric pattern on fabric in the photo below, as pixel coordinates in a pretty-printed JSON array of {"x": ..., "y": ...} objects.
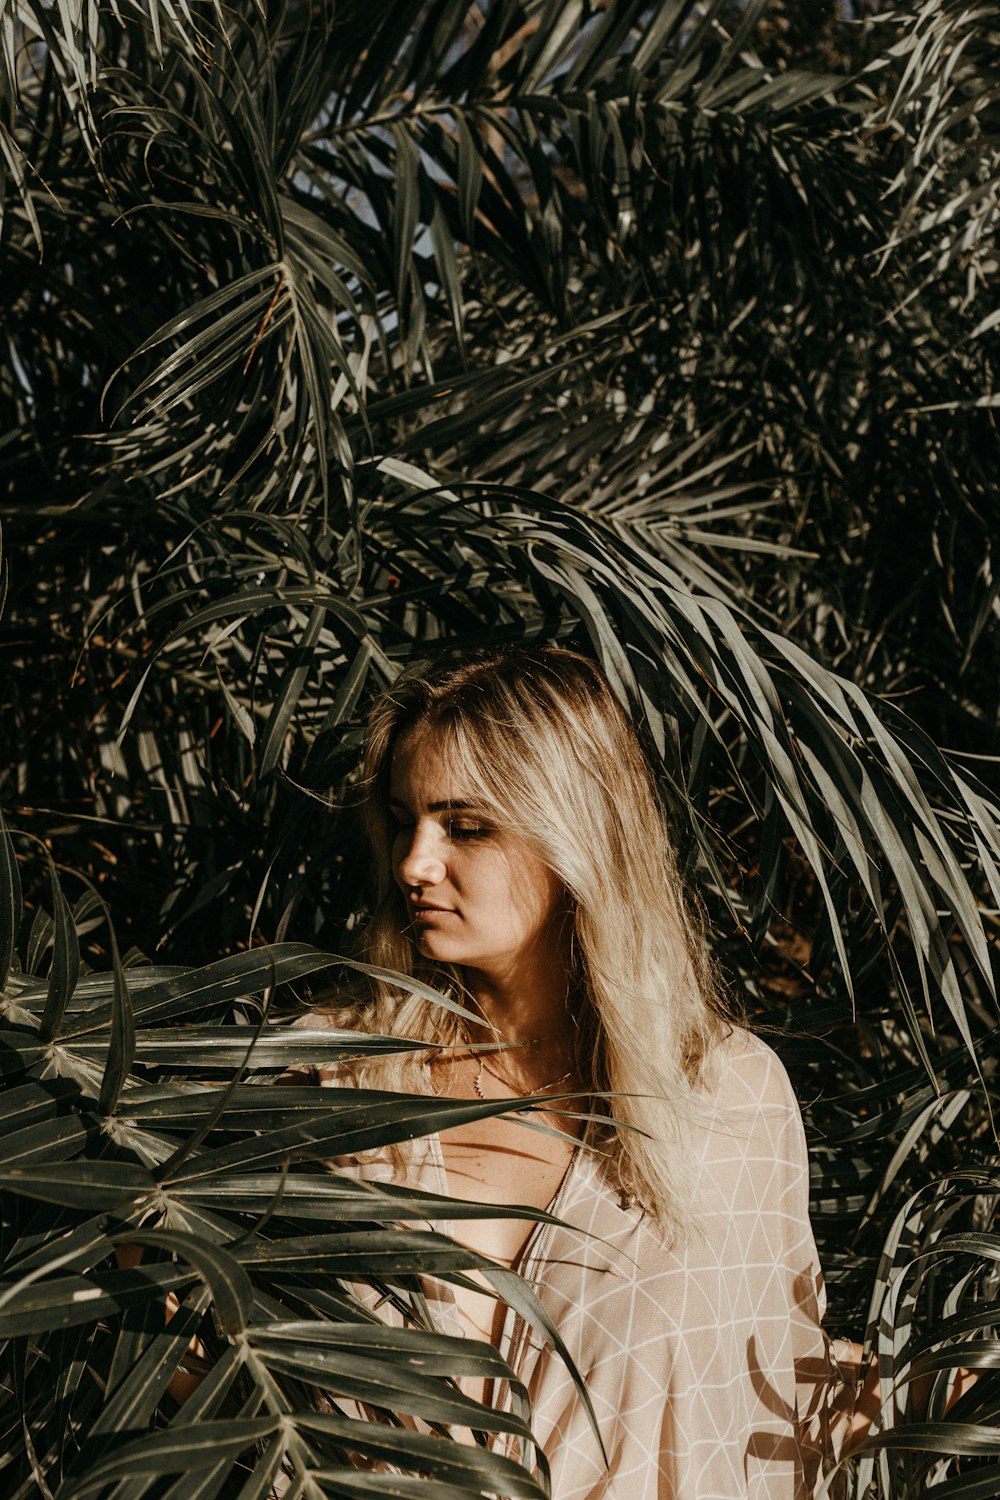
[
  {"x": 709, "y": 1371},
  {"x": 707, "y": 1365}
]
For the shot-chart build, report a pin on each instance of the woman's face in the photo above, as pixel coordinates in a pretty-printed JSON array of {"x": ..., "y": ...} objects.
[{"x": 476, "y": 895}]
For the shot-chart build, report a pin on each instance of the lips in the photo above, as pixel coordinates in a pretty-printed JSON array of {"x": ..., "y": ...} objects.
[{"x": 425, "y": 911}]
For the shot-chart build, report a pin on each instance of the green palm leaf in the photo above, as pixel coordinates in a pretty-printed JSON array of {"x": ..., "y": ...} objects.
[{"x": 332, "y": 338}]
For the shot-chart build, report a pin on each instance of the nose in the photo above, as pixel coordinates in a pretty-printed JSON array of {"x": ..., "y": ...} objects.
[{"x": 418, "y": 858}]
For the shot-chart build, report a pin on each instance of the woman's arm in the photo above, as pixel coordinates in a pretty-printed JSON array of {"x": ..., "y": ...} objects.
[
  {"x": 187, "y": 1378},
  {"x": 868, "y": 1395}
]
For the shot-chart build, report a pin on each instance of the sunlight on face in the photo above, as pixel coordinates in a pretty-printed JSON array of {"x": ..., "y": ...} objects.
[{"x": 476, "y": 895}]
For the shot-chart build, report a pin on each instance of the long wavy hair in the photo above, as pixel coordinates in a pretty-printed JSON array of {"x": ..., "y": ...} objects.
[{"x": 537, "y": 737}]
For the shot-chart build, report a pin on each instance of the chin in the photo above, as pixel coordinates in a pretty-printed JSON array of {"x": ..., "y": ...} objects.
[
  {"x": 443, "y": 952},
  {"x": 431, "y": 947}
]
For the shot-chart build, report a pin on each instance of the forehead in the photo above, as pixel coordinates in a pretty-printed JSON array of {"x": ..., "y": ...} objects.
[{"x": 424, "y": 770}]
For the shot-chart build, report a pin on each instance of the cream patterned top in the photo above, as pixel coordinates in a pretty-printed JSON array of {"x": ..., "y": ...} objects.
[{"x": 707, "y": 1365}]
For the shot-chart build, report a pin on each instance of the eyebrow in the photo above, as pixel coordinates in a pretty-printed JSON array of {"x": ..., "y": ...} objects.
[{"x": 448, "y": 806}]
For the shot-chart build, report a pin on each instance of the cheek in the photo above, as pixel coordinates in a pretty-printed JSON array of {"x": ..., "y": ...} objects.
[
  {"x": 549, "y": 897},
  {"x": 528, "y": 893},
  {"x": 395, "y": 859},
  {"x": 398, "y": 850}
]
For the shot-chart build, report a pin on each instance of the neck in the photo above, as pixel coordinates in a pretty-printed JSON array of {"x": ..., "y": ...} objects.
[{"x": 527, "y": 1003}]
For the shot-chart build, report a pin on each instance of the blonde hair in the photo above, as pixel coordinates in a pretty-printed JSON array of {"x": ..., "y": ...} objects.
[{"x": 538, "y": 737}]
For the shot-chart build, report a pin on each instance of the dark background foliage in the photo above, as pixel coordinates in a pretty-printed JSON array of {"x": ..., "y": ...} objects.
[{"x": 666, "y": 329}]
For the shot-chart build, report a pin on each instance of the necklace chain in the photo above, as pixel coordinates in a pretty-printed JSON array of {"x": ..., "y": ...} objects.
[{"x": 484, "y": 1067}]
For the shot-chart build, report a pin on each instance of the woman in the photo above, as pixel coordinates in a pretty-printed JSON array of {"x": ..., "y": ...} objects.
[{"x": 524, "y": 868}]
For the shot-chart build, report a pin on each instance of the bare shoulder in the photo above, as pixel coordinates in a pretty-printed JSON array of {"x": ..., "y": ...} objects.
[
  {"x": 330, "y": 1074},
  {"x": 317, "y": 1020},
  {"x": 742, "y": 1071}
]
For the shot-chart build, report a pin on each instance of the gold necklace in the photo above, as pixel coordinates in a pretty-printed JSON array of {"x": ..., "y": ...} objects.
[{"x": 484, "y": 1067}]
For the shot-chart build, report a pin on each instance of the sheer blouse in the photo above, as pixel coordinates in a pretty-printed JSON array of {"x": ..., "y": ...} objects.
[{"x": 708, "y": 1369}]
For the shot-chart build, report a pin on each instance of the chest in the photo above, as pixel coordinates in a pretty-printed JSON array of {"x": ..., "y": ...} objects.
[{"x": 502, "y": 1163}]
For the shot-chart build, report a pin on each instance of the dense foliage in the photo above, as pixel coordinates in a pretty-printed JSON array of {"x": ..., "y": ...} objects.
[{"x": 333, "y": 333}]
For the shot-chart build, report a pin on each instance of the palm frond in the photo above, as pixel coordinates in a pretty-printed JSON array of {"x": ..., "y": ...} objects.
[{"x": 332, "y": 339}]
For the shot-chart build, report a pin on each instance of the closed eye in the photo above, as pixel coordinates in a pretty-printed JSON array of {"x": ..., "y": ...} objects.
[{"x": 464, "y": 831}]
